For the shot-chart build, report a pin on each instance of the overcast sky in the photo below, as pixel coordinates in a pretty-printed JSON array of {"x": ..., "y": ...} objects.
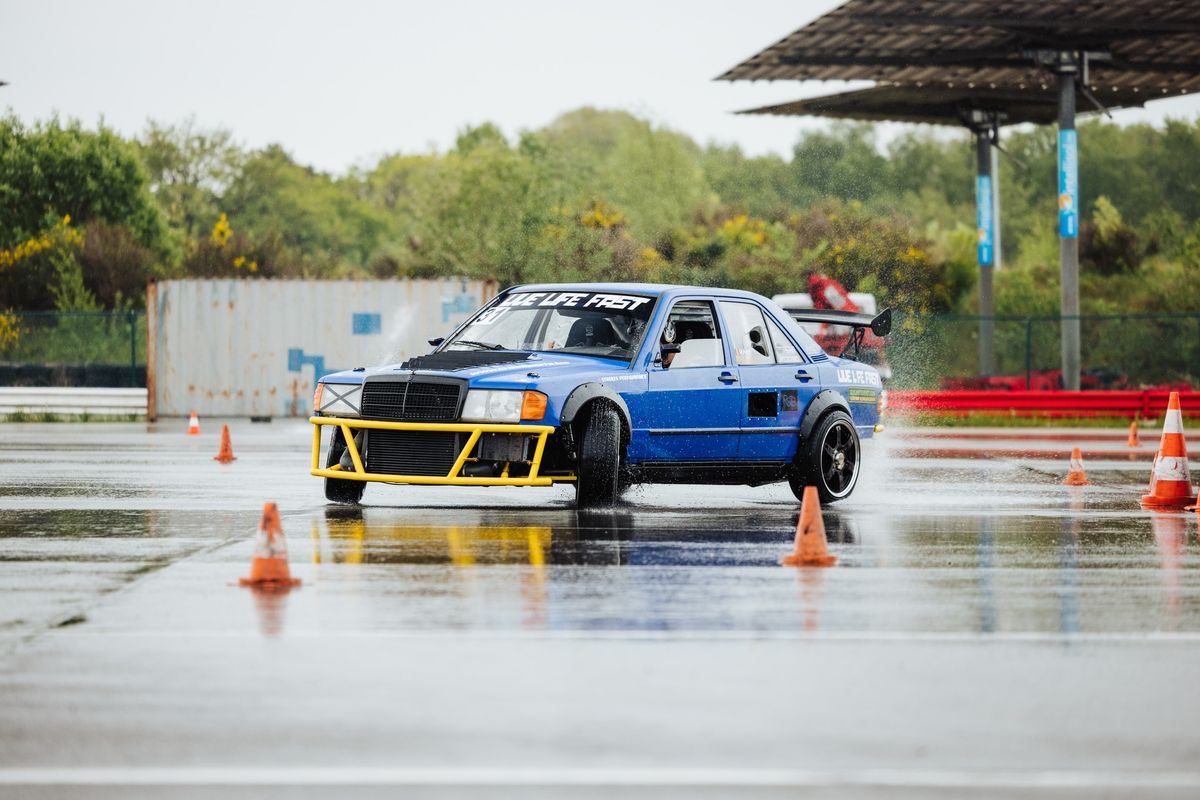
[{"x": 339, "y": 84}]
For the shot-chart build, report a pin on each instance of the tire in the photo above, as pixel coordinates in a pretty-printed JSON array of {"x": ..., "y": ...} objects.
[
  {"x": 829, "y": 459},
  {"x": 597, "y": 482},
  {"x": 337, "y": 490}
]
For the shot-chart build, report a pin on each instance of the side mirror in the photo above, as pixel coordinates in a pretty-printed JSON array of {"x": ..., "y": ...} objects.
[
  {"x": 437, "y": 341},
  {"x": 666, "y": 350}
]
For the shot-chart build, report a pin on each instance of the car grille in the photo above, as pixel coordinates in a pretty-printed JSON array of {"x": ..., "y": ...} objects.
[
  {"x": 412, "y": 452},
  {"x": 411, "y": 401}
]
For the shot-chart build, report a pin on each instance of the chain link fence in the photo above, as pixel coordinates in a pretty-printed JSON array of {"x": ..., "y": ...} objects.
[
  {"x": 108, "y": 348},
  {"x": 1119, "y": 351},
  {"x": 73, "y": 348}
]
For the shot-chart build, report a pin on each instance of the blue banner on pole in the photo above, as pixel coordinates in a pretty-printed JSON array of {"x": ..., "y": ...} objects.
[
  {"x": 1068, "y": 184},
  {"x": 984, "y": 221}
]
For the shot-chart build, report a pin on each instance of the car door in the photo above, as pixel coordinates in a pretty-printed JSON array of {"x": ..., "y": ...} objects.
[
  {"x": 776, "y": 384},
  {"x": 692, "y": 408}
]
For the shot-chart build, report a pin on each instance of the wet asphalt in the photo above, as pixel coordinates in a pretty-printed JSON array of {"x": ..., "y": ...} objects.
[{"x": 985, "y": 632}]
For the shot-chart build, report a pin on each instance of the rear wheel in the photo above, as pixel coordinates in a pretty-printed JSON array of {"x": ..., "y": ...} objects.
[
  {"x": 829, "y": 459},
  {"x": 336, "y": 489},
  {"x": 597, "y": 481}
]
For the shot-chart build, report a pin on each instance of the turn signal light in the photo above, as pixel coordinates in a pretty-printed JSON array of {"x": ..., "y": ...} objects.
[
  {"x": 317, "y": 397},
  {"x": 533, "y": 405}
]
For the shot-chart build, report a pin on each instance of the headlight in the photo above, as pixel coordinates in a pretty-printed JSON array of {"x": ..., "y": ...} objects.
[
  {"x": 503, "y": 405},
  {"x": 338, "y": 399},
  {"x": 496, "y": 405}
]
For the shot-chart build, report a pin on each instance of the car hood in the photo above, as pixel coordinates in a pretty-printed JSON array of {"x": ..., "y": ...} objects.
[{"x": 538, "y": 368}]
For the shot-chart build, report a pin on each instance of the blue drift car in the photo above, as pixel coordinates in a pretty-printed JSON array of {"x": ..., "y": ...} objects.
[{"x": 607, "y": 385}]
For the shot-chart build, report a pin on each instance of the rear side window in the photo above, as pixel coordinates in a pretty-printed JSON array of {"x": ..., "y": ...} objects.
[
  {"x": 785, "y": 351},
  {"x": 748, "y": 332}
]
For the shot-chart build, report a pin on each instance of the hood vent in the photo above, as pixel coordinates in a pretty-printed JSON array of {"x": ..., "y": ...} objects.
[{"x": 454, "y": 360}]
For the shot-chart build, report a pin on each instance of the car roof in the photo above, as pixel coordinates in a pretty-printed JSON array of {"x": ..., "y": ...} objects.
[{"x": 666, "y": 290}]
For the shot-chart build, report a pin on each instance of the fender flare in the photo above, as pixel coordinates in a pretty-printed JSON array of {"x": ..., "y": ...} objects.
[
  {"x": 586, "y": 393},
  {"x": 824, "y": 401}
]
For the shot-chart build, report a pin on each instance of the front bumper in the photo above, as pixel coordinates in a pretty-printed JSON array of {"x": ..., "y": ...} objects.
[{"x": 453, "y": 477}]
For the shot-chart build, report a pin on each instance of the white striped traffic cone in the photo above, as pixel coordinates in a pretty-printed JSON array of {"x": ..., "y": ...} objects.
[
  {"x": 1075, "y": 475},
  {"x": 1172, "y": 482}
]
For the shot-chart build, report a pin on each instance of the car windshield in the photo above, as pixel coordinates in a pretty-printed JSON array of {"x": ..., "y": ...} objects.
[{"x": 589, "y": 323}]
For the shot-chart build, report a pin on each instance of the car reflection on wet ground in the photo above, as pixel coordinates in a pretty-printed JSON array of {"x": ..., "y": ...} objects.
[{"x": 985, "y": 630}]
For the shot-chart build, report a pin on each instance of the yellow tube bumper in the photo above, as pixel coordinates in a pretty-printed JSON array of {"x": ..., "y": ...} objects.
[{"x": 451, "y": 478}]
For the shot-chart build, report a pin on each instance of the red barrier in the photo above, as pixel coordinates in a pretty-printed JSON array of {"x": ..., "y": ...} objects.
[{"x": 1148, "y": 404}]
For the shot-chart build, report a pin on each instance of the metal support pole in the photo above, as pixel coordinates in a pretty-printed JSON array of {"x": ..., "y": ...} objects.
[
  {"x": 1068, "y": 224},
  {"x": 133, "y": 349},
  {"x": 151, "y": 348},
  {"x": 997, "y": 260},
  {"x": 984, "y": 219},
  {"x": 1028, "y": 353}
]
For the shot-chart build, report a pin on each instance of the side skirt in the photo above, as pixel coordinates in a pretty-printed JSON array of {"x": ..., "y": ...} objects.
[{"x": 749, "y": 473}]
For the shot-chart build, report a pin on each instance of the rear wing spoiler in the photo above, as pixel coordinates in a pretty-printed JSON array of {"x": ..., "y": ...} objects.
[{"x": 880, "y": 324}]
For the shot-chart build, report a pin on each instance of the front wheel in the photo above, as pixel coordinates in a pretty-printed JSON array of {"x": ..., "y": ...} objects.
[
  {"x": 336, "y": 489},
  {"x": 597, "y": 482},
  {"x": 829, "y": 459}
]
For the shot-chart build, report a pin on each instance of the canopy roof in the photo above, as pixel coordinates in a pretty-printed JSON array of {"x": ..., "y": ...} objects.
[
  {"x": 944, "y": 105},
  {"x": 1148, "y": 47}
]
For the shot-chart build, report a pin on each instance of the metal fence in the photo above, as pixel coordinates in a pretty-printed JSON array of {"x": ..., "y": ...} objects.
[
  {"x": 108, "y": 348},
  {"x": 1119, "y": 351},
  {"x": 73, "y": 348}
]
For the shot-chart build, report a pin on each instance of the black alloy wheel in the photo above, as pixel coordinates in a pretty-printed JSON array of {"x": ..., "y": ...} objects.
[{"x": 829, "y": 459}]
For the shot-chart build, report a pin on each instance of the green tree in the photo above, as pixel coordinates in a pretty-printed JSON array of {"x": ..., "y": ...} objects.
[
  {"x": 312, "y": 217},
  {"x": 189, "y": 169},
  {"x": 50, "y": 170},
  {"x": 654, "y": 175},
  {"x": 841, "y": 163},
  {"x": 758, "y": 185}
]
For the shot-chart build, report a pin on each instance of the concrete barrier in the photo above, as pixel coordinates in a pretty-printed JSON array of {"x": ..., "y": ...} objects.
[{"x": 72, "y": 401}]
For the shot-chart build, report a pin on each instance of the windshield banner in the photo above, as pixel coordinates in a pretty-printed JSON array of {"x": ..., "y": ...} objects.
[{"x": 598, "y": 301}]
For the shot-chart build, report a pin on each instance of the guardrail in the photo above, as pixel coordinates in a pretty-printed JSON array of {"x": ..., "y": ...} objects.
[
  {"x": 72, "y": 401},
  {"x": 1146, "y": 404}
]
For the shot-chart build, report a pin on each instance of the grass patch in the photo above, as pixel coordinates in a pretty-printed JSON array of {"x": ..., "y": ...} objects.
[{"x": 50, "y": 416}]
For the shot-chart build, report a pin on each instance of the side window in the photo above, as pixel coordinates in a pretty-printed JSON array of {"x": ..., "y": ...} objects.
[
  {"x": 748, "y": 332},
  {"x": 692, "y": 324},
  {"x": 557, "y": 330},
  {"x": 785, "y": 351}
]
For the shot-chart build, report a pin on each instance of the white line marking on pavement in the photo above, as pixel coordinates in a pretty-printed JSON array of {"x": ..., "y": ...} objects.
[
  {"x": 589, "y": 776},
  {"x": 1032, "y": 637}
]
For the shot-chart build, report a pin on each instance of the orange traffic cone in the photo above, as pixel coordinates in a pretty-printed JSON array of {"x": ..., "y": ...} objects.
[
  {"x": 269, "y": 568},
  {"x": 1076, "y": 476},
  {"x": 1133, "y": 435},
  {"x": 194, "y": 425},
  {"x": 811, "y": 550},
  {"x": 225, "y": 455},
  {"x": 1172, "y": 485}
]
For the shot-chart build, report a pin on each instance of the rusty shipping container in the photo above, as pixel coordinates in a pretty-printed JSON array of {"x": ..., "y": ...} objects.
[{"x": 238, "y": 348}]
